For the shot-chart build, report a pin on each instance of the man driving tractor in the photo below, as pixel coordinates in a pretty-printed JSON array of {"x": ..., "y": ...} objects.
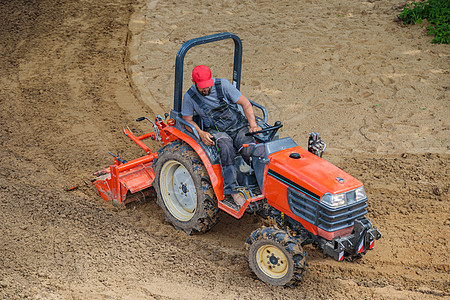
[
  {"x": 310, "y": 200},
  {"x": 216, "y": 101}
]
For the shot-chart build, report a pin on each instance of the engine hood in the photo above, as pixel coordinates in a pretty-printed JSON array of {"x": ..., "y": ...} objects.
[{"x": 310, "y": 173}]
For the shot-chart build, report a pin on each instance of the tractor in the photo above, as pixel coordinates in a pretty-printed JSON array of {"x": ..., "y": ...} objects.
[{"x": 307, "y": 199}]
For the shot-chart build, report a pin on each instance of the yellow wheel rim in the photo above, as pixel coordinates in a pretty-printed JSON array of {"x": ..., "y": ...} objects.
[{"x": 272, "y": 261}]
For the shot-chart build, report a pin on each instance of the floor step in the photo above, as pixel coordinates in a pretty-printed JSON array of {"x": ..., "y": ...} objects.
[{"x": 228, "y": 201}]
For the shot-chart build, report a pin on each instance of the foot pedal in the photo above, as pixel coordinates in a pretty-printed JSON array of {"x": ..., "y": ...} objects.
[{"x": 228, "y": 201}]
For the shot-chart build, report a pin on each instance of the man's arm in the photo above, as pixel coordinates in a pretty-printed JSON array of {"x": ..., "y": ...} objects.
[
  {"x": 204, "y": 135},
  {"x": 249, "y": 113}
]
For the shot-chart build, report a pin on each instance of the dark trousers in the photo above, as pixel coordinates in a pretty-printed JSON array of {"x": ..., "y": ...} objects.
[{"x": 228, "y": 144}]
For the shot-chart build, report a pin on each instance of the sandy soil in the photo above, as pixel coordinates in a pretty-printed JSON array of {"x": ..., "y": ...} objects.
[{"x": 72, "y": 73}]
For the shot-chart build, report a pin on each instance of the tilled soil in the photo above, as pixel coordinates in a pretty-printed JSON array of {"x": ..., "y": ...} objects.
[{"x": 64, "y": 95}]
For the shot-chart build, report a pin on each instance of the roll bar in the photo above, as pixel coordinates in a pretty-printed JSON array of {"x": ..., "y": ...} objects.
[{"x": 178, "y": 91}]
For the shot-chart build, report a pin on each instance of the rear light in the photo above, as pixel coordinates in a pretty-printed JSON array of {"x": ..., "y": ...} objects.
[{"x": 171, "y": 122}]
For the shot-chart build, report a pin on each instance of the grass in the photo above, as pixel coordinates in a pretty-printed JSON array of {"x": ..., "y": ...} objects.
[{"x": 436, "y": 12}]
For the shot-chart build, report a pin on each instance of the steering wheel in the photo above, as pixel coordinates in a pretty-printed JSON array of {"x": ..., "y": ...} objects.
[{"x": 272, "y": 129}]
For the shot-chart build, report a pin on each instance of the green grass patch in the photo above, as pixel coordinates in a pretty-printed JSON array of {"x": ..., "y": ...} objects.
[{"x": 436, "y": 12}]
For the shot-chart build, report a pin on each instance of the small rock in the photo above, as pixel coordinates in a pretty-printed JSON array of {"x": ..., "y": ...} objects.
[{"x": 437, "y": 191}]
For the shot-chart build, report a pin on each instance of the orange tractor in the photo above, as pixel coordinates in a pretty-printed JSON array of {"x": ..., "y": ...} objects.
[{"x": 310, "y": 200}]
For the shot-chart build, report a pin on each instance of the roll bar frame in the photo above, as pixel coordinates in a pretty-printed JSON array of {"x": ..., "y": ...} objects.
[{"x": 179, "y": 63}]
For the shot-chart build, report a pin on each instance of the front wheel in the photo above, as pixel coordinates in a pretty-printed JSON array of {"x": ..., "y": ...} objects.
[
  {"x": 276, "y": 257},
  {"x": 184, "y": 190}
]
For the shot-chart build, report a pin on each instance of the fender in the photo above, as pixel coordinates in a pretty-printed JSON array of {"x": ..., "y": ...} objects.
[{"x": 214, "y": 171}]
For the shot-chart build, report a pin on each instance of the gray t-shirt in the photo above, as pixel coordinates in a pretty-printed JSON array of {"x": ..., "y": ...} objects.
[{"x": 231, "y": 93}]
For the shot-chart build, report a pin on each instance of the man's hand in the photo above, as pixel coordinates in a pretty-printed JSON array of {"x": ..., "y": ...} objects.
[
  {"x": 255, "y": 128},
  {"x": 249, "y": 113},
  {"x": 206, "y": 137}
]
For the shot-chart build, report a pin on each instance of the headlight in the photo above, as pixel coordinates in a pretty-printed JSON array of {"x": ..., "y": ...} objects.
[
  {"x": 333, "y": 200},
  {"x": 342, "y": 199},
  {"x": 360, "y": 194}
]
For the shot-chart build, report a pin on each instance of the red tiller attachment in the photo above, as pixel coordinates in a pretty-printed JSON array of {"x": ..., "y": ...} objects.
[
  {"x": 114, "y": 182},
  {"x": 122, "y": 178}
]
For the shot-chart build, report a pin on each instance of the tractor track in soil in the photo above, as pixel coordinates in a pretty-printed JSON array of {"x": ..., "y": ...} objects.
[{"x": 64, "y": 96}]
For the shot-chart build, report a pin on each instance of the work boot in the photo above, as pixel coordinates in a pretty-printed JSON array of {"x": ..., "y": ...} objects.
[{"x": 238, "y": 199}]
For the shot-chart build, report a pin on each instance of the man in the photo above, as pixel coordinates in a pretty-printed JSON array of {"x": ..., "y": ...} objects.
[{"x": 216, "y": 101}]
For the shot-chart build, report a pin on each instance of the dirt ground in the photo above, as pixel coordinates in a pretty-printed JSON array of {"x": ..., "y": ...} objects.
[{"x": 72, "y": 73}]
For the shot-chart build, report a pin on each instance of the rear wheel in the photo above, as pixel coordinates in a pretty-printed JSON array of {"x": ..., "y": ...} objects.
[
  {"x": 276, "y": 257},
  {"x": 184, "y": 190}
]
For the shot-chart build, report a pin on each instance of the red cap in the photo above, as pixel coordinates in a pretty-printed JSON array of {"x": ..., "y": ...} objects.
[{"x": 202, "y": 76}]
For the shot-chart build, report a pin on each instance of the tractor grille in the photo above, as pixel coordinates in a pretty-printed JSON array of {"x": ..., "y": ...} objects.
[{"x": 326, "y": 218}]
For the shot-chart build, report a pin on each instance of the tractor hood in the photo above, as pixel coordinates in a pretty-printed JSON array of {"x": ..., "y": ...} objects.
[{"x": 307, "y": 172}]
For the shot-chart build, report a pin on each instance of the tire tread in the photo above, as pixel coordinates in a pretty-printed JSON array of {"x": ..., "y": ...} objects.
[
  {"x": 206, "y": 217},
  {"x": 287, "y": 242}
]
